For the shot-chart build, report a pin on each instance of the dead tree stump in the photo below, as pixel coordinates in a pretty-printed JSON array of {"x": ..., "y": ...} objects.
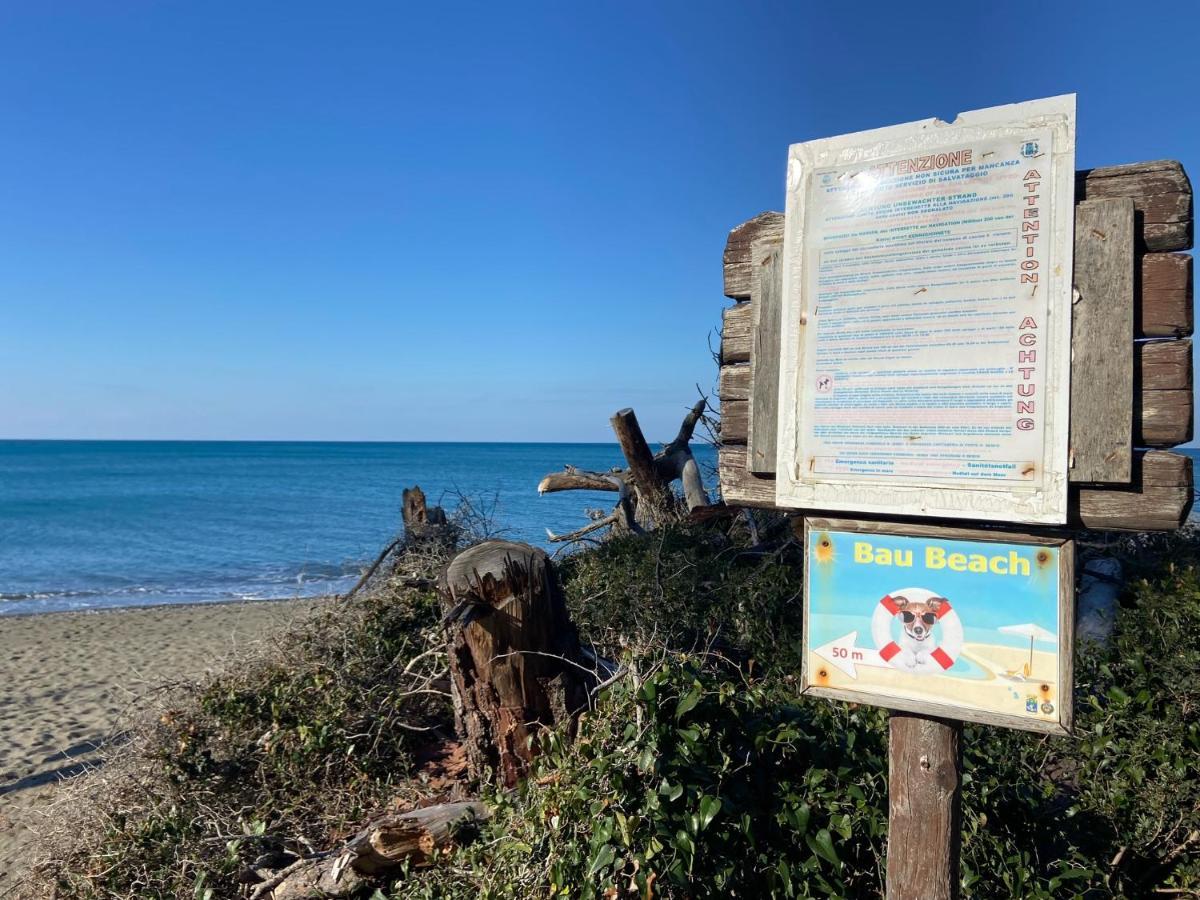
[
  {"x": 645, "y": 499},
  {"x": 514, "y": 654},
  {"x": 424, "y": 524}
]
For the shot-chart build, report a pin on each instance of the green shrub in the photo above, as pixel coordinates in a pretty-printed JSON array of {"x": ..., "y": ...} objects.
[
  {"x": 689, "y": 587},
  {"x": 714, "y": 784},
  {"x": 700, "y": 772},
  {"x": 286, "y": 750}
]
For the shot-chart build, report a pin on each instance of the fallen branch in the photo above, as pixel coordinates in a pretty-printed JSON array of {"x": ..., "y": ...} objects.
[
  {"x": 644, "y": 487},
  {"x": 622, "y": 514},
  {"x": 573, "y": 479},
  {"x": 385, "y": 846},
  {"x": 366, "y": 576}
]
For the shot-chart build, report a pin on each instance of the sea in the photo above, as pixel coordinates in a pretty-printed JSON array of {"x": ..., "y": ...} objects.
[
  {"x": 95, "y": 524},
  {"x": 100, "y": 524}
]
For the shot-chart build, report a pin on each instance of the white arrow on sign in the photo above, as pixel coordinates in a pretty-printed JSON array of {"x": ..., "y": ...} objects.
[{"x": 842, "y": 654}]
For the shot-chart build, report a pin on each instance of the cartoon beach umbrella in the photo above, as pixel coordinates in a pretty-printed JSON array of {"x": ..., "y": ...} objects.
[{"x": 1031, "y": 631}]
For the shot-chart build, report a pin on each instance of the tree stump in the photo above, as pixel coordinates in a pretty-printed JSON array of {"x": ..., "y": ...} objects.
[
  {"x": 423, "y": 524},
  {"x": 514, "y": 654}
]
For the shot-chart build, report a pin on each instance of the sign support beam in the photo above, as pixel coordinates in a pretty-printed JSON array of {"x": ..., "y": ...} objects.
[{"x": 924, "y": 807}]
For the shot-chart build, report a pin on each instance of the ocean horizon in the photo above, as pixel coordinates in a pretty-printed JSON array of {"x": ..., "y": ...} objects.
[
  {"x": 88, "y": 524},
  {"x": 103, "y": 524}
]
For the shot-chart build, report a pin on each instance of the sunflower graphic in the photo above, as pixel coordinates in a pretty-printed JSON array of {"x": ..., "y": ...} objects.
[
  {"x": 1045, "y": 565},
  {"x": 823, "y": 549}
]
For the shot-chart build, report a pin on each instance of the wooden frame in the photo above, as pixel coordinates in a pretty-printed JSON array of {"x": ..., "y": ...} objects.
[
  {"x": 1066, "y": 622},
  {"x": 1158, "y": 494},
  {"x": 1034, "y": 460}
]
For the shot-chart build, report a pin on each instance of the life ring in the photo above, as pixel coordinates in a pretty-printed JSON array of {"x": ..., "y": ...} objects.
[{"x": 942, "y": 657}]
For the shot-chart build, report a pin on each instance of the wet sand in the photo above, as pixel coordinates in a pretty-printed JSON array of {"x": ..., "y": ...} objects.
[{"x": 67, "y": 679}]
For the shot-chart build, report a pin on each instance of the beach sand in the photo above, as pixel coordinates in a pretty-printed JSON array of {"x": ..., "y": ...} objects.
[{"x": 67, "y": 679}]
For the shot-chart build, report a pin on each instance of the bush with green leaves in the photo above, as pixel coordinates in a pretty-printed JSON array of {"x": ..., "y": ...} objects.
[
  {"x": 286, "y": 750},
  {"x": 697, "y": 780},
  {"x": 700, "y": 772}
]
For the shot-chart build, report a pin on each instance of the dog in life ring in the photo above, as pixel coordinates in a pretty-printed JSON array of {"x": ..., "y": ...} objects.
[
  {"x": 917, "y": 618},
  {"x": 915, "y": 650}
]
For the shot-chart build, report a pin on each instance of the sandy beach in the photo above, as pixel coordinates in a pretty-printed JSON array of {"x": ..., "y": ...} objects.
[{"x": 67, "y": 679}]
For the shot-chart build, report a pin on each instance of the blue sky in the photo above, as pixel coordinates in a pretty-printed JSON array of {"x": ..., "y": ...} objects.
[{"x": 387, "y": 221}]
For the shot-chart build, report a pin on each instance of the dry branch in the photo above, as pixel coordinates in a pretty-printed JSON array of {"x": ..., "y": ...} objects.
[
  {"x": 416, "y": 838},
  {"x": 644, "y": 488},
  {"x": 573, "y": 479}
]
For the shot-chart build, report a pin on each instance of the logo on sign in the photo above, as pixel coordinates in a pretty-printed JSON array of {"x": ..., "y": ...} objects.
[{"x": 1029, "y": 149}]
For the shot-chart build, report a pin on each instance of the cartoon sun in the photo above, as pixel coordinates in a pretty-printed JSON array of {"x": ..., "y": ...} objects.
[
  {"x": 1045, "y": 566},
  {"x": 823, "y": 549}
]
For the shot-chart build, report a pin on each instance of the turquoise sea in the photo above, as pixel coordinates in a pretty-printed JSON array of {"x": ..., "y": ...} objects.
[{"x": 87, "y": 524}]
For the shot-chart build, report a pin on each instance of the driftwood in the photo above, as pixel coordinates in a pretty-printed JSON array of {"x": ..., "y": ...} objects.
[
  {"x": 515, "y": 661},
  {"x": 424, "y": 526},
  {"x": 383, "y": 847},
  {"x": 645, "y": 499}
]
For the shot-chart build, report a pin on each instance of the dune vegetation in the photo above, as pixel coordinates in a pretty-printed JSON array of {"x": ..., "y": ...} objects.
[{"x": 698, "y": 771}]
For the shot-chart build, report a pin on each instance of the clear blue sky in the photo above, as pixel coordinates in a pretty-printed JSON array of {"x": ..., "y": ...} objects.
[{"x": 387, "y": 221}]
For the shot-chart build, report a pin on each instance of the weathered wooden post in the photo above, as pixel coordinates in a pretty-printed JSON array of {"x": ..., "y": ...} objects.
[
  {"x": 924, "y": 807},
  {"x": 1129, "y": 357}
]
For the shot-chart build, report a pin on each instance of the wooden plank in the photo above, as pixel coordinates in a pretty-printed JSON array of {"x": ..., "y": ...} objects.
[
  {"x": 734, "y": 382},
  {"x": 1161, "y": 418},
  {"x": 735, "y": 334},
  {"x": 924, "y": 807},
  {"x": 735, "y": 421},
  {"x": 1101, "y": 440},
  {"x": 1165, "y": 295},
  {"x": 1164, "y": 365},
  {"x": 1158, "y": 499},
  {"x": 1141, "y": 179},
  {"x": 766, "y": 308},
  {"x": 1162, "y": 196},
  {"x": 739, "y": 486},
  {"x": 1164, "y": 418},
  {"x": 739, "y": 268},
  {"x": 1176, "y": 236}
]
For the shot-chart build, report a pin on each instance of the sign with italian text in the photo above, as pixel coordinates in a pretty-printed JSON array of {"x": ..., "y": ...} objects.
[
  {"x": 967, "y": 625},
  {"x": 926, "y": 324}
]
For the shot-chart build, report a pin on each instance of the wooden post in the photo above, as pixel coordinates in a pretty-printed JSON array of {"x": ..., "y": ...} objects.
[{"x": 924, "y": 808}]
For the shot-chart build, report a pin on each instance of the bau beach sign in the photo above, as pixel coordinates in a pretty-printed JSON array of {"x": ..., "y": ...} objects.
[
  {"x": 969, "y": 625},
  {"x": 951, "y": 324}
]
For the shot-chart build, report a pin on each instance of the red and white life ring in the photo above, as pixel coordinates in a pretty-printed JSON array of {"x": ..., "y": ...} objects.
[{"x": 942, "y": 657}]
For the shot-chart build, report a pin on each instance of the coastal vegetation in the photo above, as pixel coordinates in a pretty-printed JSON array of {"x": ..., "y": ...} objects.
[{"x": 696, "y": 771}]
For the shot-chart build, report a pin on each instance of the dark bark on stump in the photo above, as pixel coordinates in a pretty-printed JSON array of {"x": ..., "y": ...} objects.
[
  {"x": 514, "y": 655},
  {"x": 424, "y": 524}
]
